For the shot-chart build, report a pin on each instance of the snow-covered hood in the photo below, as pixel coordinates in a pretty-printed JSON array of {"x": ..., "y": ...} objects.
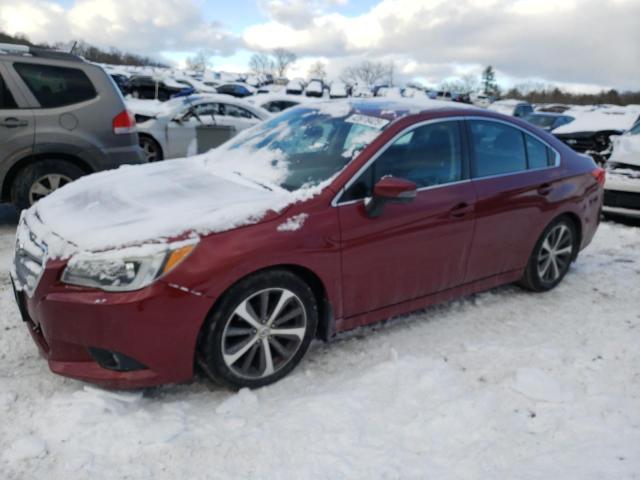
[
  {"x": 599, "y": 120},
  {"x": 626, "y": 149},
  {"x": 149, "y": 203}
]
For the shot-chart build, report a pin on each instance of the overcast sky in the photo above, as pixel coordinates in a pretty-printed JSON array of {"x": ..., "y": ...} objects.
[{"x": 578, "y": 44}]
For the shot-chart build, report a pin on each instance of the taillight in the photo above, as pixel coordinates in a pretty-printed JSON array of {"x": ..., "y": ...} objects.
[
  {"x": 600, "y": 175},
  {"x": 124, "y": 122}
]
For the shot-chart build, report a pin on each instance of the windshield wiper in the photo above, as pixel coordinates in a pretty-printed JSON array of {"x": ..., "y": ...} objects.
[{"x": 253, "y": 181}]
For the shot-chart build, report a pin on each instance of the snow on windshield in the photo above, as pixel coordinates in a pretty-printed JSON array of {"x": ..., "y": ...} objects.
[{"x": 300, "y": 148}]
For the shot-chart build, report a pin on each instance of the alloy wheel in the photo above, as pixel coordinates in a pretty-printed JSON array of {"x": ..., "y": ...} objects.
[
  {"x": 150, "y": 151},
  {"x": 555, "y": 253},
  {"x": 47, "y": 184},
  {"x": 263, "y": 333}
]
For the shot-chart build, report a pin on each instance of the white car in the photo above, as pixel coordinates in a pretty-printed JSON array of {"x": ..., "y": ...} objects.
[
  {"x": 314, "y": 89},
  {"x": 361, "y": 91},
  {"x": 168, "y": 130},
  {"x": 480, "y": 100},
  {"x": 295, "y": 86},
  {"x": 622, "y": 186},
  {"x": 338, "y": 89}
]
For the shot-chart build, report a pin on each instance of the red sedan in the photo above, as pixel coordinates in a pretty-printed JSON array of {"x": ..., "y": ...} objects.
[{"x": 324, "y": 218}]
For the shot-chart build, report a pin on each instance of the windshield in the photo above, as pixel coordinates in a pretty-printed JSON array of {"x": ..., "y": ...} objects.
[
  {"x": 301, "y": 147},
  {"x": 543, "y": 121}
]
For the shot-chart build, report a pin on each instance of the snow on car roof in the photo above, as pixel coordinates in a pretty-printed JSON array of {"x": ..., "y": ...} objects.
[
  {"x": 395, "y": 107},
  {"x": 619, "y": 119}
]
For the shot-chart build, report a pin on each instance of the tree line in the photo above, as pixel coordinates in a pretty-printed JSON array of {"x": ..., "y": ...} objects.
[
  {"x": 90, "y": 52},
  {"x": 366, "y": 72}
]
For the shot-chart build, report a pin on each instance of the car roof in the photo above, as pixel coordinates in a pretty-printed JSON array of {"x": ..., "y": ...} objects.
[{"x": 392, "y": 108}]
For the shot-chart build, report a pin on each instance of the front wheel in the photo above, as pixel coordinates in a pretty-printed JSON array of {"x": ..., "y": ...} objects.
[
  {"x": 552, "y": 256},
  {"x": 260, "y": 330},
  {"x": 40, "y": 178}
]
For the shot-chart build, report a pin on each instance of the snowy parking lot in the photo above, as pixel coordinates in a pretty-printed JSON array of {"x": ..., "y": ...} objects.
[{"x": 505, "y": 384}]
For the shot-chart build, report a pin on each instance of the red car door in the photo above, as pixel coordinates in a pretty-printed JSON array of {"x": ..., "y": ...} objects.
[
  {"x": 414, "y": 249},
  {"x": 514, "y": 177}
]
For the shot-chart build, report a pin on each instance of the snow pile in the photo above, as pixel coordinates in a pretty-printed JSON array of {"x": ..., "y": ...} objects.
[
  {"x": 502, "y": 385},
  {"x": 293, "y": 223}
]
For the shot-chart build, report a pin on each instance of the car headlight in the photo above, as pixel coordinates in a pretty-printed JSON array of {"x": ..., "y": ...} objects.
[{"x": 124, "y": 270}]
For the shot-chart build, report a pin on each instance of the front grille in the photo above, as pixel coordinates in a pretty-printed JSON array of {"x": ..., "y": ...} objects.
[
  {"x": 613, "y": 198},
  {"x": 30, "y": 259}
]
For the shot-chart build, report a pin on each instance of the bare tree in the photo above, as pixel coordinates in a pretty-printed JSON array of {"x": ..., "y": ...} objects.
[
  {"x": 318, "y": 70},
  {"x": 199, "y": 62},
  {"x": 261, "y": 63},
  {"x": 391, "y": 68},
  {"x": 367, "y": 72},
  {"x": 283, "y": 60},
  {"x": 466, "y": 84}
]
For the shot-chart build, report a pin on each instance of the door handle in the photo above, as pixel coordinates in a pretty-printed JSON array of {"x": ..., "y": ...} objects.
[
  {"x": 545, "y": 189},
  {"x": 13, "y": 122},
  {"x": 461, "y": 210}
]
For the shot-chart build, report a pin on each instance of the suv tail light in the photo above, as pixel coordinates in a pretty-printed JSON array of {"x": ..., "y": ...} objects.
[
  {"x": 600, "y": 175},
  {"x": 124, "y": 122}
]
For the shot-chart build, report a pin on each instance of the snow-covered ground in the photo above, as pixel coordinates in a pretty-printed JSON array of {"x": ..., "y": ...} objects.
[{"x": 503, "y": 385}]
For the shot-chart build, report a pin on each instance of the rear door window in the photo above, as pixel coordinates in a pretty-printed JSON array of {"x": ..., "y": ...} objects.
[
  {"x": 7, "y": 102},
  {"x": 56, "y": 86},
  {"x": 497, "y": 148}
]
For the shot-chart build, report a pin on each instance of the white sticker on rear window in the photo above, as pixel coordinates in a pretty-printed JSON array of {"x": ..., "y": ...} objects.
[{"x": 368, "y": 121}]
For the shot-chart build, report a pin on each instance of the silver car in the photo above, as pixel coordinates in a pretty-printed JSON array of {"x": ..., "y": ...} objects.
[
  {"x": 60, "y": 118},
  {"x": 170, "y": 129}
]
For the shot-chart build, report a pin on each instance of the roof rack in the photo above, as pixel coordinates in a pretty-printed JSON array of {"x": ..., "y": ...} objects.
[{"x": 39, "y": 52}]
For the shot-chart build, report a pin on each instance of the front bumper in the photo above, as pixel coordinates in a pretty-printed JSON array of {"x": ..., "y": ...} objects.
[
  {"x": 157, "y": 327},
  {"x": 622, "y": 195}
]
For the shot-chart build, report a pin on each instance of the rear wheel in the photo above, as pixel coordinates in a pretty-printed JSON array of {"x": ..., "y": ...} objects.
[
  {"x": 40, "y": 178},
  {"x": 151, "y": 149},
  {"x": 552, "y": 256},
  {"x": 260, "y": 330}
]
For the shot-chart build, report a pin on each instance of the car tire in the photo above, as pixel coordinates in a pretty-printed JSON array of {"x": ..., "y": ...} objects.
[
  {"x": 39, "y": 178},
  {"x": 247, "y": 351},
  {"x": 552, "y": 256},
  {"x": 152, "y": 149}
]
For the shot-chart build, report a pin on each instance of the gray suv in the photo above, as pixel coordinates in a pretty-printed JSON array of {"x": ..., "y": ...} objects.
[{"x": 60, "y": 118}]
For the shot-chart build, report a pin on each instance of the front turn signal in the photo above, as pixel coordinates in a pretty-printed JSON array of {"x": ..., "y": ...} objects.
[{"x": 176, "y": 256}]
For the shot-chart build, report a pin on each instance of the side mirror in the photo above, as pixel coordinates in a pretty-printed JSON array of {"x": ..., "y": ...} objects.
[{"x": 390, "y": 189}]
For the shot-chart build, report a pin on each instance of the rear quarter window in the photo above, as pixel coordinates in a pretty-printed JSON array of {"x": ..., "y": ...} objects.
[
  {"x": 7, "y": 101},
  {"x": 56, "y": 86},
  {"x": 538, "y": 154}
]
